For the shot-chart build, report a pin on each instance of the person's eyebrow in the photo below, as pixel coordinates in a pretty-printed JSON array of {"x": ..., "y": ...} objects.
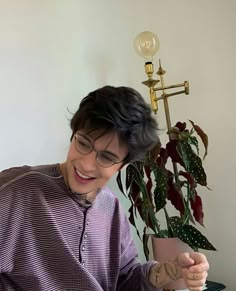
[
  {"x": 105, "y": 151},
  {"x": 86, "y": 137},
  {"x": 111, "y": 153}
]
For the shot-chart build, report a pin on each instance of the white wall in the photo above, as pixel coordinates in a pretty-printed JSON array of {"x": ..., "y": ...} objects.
[{"x": 52, "y": 53}]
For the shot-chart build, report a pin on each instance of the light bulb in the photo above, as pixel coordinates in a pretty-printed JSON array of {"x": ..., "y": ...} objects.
[{"x": 146, "y": 45}]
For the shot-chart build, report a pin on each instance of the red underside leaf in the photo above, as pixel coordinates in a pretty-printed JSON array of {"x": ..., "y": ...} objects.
[
  {"x": 181, "y": 125},
  {"x": 139, "y": 204},
  {"x": 175, "y": 196},
  {"x": 162, "y": 158},
  {"x": 196, "y": 205},
  {"x": 202, "y": 135},
  {"x": 189, "y": 178},
  {"x": 172, "y": 151}
]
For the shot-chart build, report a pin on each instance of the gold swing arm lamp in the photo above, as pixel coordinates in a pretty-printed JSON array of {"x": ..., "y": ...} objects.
[{"x": 146, "y": 45}]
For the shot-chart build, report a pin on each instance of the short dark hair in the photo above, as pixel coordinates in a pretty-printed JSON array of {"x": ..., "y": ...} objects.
[{"x": 119, "y": 109}]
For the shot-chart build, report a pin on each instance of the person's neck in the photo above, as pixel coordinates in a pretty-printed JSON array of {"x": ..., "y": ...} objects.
[{"x": 86, "y": 196}]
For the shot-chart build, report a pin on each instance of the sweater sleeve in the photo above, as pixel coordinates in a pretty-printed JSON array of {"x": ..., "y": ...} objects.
[
  {"x": 133, "y": 275},
  {"x": 136, "y": 278},
  {"x": 11, "y": 218}
]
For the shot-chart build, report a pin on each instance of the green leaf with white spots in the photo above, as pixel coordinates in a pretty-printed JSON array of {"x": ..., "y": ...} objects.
[
  {"x": 192, "y": 140},
  {"x": 189, "y": 234},
  {"x": 193, "y": 163},
  {"x": 161, "y": 187}
]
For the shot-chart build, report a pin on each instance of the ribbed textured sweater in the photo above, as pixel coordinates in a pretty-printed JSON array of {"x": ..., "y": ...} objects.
[{"x": 49, "y": 242}]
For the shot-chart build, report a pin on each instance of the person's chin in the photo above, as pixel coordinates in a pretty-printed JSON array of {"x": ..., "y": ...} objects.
[{"x": 79, "y": 188}]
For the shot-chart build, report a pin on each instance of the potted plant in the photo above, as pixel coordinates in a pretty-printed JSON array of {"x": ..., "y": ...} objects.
[{"x": 170, "y": 174}]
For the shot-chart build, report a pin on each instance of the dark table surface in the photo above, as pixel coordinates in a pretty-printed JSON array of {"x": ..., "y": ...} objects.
[{"x": 214, "y": 286}]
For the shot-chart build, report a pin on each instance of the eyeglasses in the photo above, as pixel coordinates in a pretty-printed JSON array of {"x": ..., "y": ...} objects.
[{"x": 85, "y": 147}]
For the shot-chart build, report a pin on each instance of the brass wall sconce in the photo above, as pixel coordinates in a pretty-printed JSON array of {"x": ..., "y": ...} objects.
[{"x": 146, "y": 45}]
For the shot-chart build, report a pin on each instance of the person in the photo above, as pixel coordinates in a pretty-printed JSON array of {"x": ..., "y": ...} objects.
[{"x": 62, "y": 228}]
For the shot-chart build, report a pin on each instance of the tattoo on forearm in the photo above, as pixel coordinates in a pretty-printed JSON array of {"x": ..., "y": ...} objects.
[
  {"x": 171, "y": 270},
  {"x": 162, "y": 274}
]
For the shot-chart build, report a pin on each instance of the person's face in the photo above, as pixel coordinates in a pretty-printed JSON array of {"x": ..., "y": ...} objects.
[{"x": 83, "y": 172}]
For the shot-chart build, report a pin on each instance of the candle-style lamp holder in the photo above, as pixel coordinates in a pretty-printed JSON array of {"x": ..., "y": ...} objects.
[
  {"x": 146, "y": 45},
  {"x": 151, "y": 84}
]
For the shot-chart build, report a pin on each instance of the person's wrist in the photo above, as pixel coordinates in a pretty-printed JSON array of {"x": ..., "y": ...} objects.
[
  {"x": 161, "y": 274},
  {"x": 178, "y": 267}
]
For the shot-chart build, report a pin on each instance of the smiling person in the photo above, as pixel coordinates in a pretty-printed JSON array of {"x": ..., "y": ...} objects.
[{"x": 61, "y": 228}]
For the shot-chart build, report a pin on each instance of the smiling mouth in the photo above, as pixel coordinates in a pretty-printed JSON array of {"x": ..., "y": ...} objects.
[{"x": 83, "y": 177}]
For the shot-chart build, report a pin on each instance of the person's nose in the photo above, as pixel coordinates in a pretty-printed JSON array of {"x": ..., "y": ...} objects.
[{"x": 88, "y": 162}]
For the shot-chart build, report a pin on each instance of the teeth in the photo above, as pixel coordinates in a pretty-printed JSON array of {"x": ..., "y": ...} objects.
[{"x": 82, "y": 176}]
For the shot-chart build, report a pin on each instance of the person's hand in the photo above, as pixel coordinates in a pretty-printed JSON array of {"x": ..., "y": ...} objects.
[{"x": 194, "y": 267}]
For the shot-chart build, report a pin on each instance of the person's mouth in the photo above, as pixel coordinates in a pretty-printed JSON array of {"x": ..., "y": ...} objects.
[{"x": 82, "y": 178}]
